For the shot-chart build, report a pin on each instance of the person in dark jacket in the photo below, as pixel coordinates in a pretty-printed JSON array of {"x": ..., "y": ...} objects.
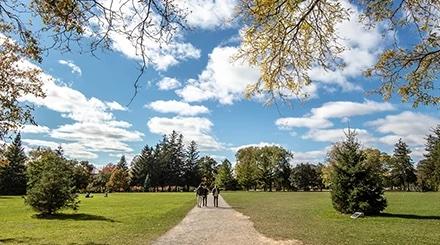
[
  {"x": 199, "y": 195},
  {"x": 205, "y": 196},
  {"x": 215, "y": 194}
]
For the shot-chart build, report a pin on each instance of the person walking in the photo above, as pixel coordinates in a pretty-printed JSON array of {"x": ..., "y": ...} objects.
[
  {"x": 199, "y": 195},
  {"x": 205, "y": 196},
  {"x": 215, "y": 194}
]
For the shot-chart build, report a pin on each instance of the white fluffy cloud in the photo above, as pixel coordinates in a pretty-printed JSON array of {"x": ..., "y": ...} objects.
[
  {"x": 75, "y": 69},
  {"x": 319, "y": 117},
  {"x": 168, "y": 83},
  {"x": 361, "y": 48},
  {"x": 412, "y": 127},
  {"x": 35, "y": 129},
  {"x": 95, "y": 128},
  {"x": 161, "y": 55},
  {"x": 73, "y": 150},
  {"x": 309, "y": 156},
  {"x": 198, "y": 129},
  {"x": 337, "y": 134},
  {"x": 177, "y": 107},
  {"x": 222, "y": 80},
  {"x": 209, "y": 14}
]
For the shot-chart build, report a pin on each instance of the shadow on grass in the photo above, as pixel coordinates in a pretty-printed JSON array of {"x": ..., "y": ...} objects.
[
  {"x": 19, "y": 240},
  {"x": 77, "y": 217},
  {"x": 409, "y": 216},
  {"x": 9, "y": 197}
]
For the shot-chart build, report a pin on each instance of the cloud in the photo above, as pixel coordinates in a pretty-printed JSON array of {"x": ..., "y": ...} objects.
[
  {"x": 319, "y": 116},
  {"x": 73, "y": 150},
  {"x": 198, "y": 129},
  {"x": 337, "y": 134},
  {"x": 261, "y": 144},
  {"x": 412, "y": 127},
  {"x": 168, "y": 83},
  {"x": 115, "y": 106},
  {"x": 177, "y": 107},
  {"x": 310, "y": 156},
  {"x": 223, "y": 79},
  {"x": 75, "y": 69},
  {"x": 361, "y": 49},
  {"x": 209, "y": 14},
  {"x": 34, "y": 129},
  {"x": 161, "y": 55},
  {"x": 94, "y": 126}
]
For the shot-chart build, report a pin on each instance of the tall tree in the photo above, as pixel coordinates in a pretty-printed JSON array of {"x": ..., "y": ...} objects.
[
  {"x": 306, "y": 177},
  {"x": 122, "y": 164},
  {"x": 13, "y": 171},
  {"x": 402, "y": 170},
  {"x": 428, "y": 169},
  {"x": 207, "y": 166},
  {"x": 246, "y": 168},
  {"x": 191, "y": 171},
  {"x": 286, "y": 39},
  {"x": 225, "y": 177},
  {"x": 356, "y": 186}
]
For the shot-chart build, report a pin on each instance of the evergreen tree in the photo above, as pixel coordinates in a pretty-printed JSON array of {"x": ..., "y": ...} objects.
[
  {"x": 428, "y": 169},
  {"x": 191, "y": 173},
  {"x": 356, "y": 187},
  {"x": 402, "y": 170},
  {"x": 122, "y": 164},
  {"x": 139, "y": 167},
  {"x": 225, "y": 178},
  {"x": 50, "y": 186},
  {"x": 13, "y": 170}
]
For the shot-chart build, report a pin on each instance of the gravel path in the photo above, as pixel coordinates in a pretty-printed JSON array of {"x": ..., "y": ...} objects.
[{"x": 222, "y": 225}]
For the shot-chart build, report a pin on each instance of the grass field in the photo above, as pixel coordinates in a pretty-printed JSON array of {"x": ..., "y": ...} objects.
[
  {"x": 411, "y": 218},
  {"x": 131, "y": 218}
]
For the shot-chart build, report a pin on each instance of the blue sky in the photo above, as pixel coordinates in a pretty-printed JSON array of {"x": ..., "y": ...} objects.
[{"x": 193, "y": 87}]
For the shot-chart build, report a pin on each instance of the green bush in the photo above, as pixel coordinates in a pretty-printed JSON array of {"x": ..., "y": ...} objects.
[
  {"x": 356, "y": 186},
  {"x": 50, "y": 184}
]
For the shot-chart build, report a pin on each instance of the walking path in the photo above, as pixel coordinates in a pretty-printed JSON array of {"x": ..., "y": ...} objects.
[{"x": 222, "y": 225}]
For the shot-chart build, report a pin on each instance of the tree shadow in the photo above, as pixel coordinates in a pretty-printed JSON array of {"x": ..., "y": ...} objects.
[
  {"x": 8, "y": 197},
  {"x": 409, "y": 216},
  {"x": 19, "y": 240},
  {"x": 76, "y": 217}
]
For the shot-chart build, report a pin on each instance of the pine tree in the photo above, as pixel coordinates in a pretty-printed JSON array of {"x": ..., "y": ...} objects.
[
  {"x": 356, "y": 187},
  {"x": 122, "y": 164},
  {"x": 13, "y": 171},
  {"x": 402, "y": 170},
  {"x": 428, "y": 169},
  {"x": 191, "y": 174}
]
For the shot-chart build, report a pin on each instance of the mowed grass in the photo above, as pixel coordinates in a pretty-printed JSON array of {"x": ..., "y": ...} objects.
[
  {"x": 411, "y": 218},
  {"x": 121, "y": 218}
]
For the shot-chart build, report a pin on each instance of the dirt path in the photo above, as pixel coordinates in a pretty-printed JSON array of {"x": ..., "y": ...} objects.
[{"x": 222, "y": 225}]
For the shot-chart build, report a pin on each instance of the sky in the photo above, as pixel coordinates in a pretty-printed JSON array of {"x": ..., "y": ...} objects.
[{"x": 193, "y": 86}]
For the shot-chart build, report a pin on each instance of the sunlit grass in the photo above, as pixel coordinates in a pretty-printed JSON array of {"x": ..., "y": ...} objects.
[
  {"x": 121, "y": 218},
  {"x": 411, "y": 218}
]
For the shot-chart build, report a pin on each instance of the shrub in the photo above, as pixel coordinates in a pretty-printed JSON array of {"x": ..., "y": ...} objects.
[{"x": 50, "y": 185}]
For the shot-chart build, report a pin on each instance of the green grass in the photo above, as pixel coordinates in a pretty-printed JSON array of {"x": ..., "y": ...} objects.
[
  {"x": 122, "y": 218},
  {"x": 411, "y": 218}
]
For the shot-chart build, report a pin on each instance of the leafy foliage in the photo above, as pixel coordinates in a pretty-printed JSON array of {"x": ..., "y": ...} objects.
[
  {"x": 225, "y": 177},
  {"x": 402, "y": 170}
]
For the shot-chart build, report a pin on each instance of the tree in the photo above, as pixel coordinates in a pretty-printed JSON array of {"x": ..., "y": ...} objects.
[
  {"x": 122, "y": 164},
  {"x": 82, "y": 174},
  {"x": 286, "y": 39},
  {"x": 99, "y": 181},
  {"x": 13, "y": 170},
  {"x": 119, "y": 180},
  {"x": 191, "y": 171},
  {"x": 207, "y": 166},
  {"x": 69, "y": 25},
  {"x": 246, "y": 168},
  {"x": 428, "y": 169},
  {"x": 402, "y": 170},
  {"x": 50, "y": 183},
  {"x": 356, "y": 186},
  {"x": 306, "y": 177},
  {"x": 225, "y": 178}
]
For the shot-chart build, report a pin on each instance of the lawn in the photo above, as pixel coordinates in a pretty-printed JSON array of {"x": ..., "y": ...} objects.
[
  {"x": 411, "y": 218},
  {"x": 121, "y": 218}
]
